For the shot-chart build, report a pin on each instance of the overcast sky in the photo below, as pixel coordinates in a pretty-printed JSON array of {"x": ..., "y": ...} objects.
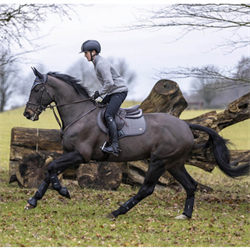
[{"x": 145, "y": 51}]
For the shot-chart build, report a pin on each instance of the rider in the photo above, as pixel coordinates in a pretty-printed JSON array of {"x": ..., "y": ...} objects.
[{"x": 113, "y": 85}]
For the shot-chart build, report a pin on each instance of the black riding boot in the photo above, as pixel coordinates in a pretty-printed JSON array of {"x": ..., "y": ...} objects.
[{"x": 113, "y": 147}]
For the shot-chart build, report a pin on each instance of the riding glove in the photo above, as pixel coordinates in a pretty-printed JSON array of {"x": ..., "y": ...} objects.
[{"x": 96, "y": 95}]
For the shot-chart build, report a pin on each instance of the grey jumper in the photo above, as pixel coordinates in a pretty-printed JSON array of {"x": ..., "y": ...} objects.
[{"x": 112, "y": 82}]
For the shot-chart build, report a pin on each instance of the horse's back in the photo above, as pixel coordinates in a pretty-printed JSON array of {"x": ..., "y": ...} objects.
[{"x": 169, "y": 123}]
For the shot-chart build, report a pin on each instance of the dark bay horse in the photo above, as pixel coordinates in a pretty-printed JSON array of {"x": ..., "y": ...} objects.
[{"x": 167, "y": 141}]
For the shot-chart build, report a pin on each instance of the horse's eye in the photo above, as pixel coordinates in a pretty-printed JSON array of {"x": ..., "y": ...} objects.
[{"x": 37, "y": 88}]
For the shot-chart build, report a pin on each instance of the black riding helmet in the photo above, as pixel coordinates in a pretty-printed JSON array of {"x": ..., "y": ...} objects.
[{"x": 91, "y": 45}]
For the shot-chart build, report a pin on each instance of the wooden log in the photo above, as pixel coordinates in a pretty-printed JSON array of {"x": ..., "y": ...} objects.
[
  {"x": 237, "y": 111},
  {"x": 31, "y": 138},
  {"x": 102, "y": 175},
  {"x": 18, "y": 156},
  {"x": 133, "y": 173},
  {"x": 165, "y": 97},
  {"x": 32, "y": 170}
]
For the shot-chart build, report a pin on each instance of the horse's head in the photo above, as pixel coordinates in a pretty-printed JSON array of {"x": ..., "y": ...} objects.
[{"x": 39, "y": 97}]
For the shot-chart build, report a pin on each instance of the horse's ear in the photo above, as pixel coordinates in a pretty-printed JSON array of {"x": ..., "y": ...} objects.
[
  {"x": 37, "y": 73},
  {"x": 33, "y": 69}
]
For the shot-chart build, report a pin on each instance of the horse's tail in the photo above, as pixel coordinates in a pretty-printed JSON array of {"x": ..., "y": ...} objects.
[{"x": 221, "y": 153}]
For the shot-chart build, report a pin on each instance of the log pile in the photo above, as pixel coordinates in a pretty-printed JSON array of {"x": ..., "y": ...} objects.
[{"x": 33, "y": 149}]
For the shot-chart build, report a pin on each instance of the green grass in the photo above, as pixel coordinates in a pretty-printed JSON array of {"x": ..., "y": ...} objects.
[{"x": 221, "y": 218}]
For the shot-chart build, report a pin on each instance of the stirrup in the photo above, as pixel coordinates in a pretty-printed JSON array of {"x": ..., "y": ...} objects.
[{"x": 115, "y": 151}]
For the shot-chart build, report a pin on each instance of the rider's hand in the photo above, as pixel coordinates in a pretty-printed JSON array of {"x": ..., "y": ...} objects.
[{"x": 96, "y": 95}]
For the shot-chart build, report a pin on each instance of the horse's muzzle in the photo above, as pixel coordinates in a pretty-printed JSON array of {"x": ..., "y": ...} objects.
[{"x": 31, "y": 115}]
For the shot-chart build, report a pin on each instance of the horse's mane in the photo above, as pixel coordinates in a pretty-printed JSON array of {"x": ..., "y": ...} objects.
[{"x": 72, "y": 81}]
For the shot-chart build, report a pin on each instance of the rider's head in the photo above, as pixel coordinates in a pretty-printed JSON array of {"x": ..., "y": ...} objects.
[{"x": 91, "y": 48}]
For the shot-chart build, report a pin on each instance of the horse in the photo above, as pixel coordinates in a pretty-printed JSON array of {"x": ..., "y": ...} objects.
[{"x": 167, "y": 141}]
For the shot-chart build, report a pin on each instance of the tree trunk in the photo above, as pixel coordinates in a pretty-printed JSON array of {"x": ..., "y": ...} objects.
[
  {"x": 103, "y": 175},
  {"x": 165, "y": 97},
  {"x": 237, "y": 111}
]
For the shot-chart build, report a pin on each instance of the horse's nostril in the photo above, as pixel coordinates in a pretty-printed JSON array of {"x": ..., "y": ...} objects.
[{"x": 26, "y": 114}]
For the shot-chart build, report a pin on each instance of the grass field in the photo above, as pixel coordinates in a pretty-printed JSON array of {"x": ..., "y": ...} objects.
[{"x": 221, "y": 218}]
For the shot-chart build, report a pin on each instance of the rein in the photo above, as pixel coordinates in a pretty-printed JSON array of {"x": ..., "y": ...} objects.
[
  {"x": 63, "y": 131},
  {"x": 69, "y": 103},
  {"x": 64, "y": 104}
]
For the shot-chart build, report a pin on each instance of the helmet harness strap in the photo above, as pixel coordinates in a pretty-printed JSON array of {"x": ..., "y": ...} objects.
[{"x": 92, "y": 56}]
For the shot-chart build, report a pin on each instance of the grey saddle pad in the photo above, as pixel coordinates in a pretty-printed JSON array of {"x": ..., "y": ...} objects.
[{"x": 129, "y": 121}]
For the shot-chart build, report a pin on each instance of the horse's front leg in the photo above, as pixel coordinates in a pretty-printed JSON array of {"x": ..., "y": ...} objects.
[
  {"x": 55, "y": 168},
  {"x": 32, "y": 202}
]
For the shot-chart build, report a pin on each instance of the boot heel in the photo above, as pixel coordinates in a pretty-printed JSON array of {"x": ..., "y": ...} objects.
[{"x": 115, "y": 153}]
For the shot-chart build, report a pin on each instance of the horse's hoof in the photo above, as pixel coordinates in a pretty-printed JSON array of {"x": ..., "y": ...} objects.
[
  {"x": 182, "y": 217},
  {"x": 28, "y": 207},
  {"x": 65, "y": 192},
  {"x": 111, "y": 216}
]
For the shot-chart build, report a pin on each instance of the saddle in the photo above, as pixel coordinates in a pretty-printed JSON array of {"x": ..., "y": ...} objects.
[{"x": 129, "y": 121}]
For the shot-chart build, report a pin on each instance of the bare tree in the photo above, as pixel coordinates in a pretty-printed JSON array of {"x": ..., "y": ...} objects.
[
  {"x": 203, "y": 87},
  {"x": 193, "y": 17},
  {"x": 18, "y": 21},
  {"x": 19, "y": 32},
  {"x": 200, "y": 17},
  {"x": 8, "y": 74},
  {"x": 222, "y": 78}
]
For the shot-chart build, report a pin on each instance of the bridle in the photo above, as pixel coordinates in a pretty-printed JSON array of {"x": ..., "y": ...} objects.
[{"x": 40, "y": 107}]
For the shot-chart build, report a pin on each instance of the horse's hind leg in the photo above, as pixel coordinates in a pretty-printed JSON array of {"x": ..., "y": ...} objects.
[
  {"x": 156, "y": 169},
  {"x": 55, "y": 168},
  {"x": 189, "y": 184}
]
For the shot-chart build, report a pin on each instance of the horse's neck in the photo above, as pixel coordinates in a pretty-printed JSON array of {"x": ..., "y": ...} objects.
[
  {"x": 72, "y": 108},
  {"x": 70, "y": 113}
]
